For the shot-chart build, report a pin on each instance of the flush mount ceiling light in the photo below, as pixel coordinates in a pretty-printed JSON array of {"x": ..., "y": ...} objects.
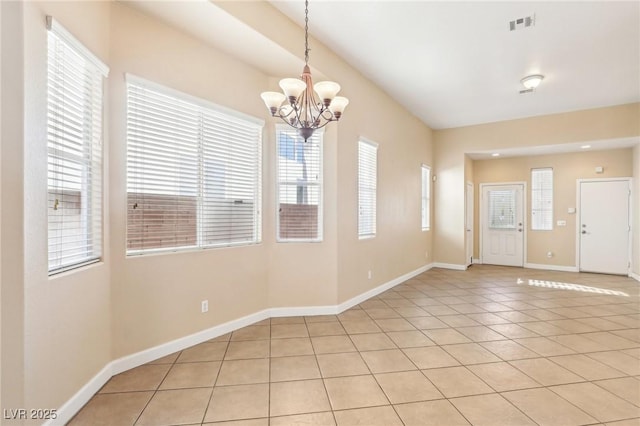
[
  {"x": 298, "y": 106},
  {"x": 530, "y": 82}
]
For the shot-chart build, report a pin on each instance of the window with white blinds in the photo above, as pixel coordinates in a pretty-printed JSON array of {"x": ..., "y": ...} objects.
[
  {"x": 193, "y": 172},
  {"x": 74, "y": 151},
  {"x": 426, "y": 198},
  {"x": 299, "y": 186},
  {"x": 542, "y": 199},
  {"x": 367, "y": 185},
  {"x": 502, "y": 209}
]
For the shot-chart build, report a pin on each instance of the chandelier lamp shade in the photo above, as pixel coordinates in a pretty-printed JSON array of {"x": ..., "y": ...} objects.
[{"x": 298, "y": 105}]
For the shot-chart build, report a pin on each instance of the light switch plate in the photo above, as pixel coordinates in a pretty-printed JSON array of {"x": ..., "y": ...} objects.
[{"x": 561, "y": 223}]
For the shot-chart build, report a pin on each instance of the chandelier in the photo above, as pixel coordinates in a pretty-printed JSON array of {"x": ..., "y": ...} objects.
[{"x": 298, "y": 106}]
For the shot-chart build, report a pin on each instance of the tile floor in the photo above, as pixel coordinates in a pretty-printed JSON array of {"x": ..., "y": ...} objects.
[{"x": 488, "y": 346}]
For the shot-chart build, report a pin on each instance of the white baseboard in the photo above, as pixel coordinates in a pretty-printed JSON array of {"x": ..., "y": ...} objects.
[
  {"x": 77, "y": 401},
  {"x": 453, "y": 266},
  {"x": 634, "y": 276},
  {"x": 551, "y": 267},
  {"x": 476, "y": 261}
]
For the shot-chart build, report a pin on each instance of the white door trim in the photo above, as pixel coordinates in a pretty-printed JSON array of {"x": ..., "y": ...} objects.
[
  {"x": 525, "y": 223},
  {"x": 469, "y": 243},
  {"x": 578, "y": 212}
]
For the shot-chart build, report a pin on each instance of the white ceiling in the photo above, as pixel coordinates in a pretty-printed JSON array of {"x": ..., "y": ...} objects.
[{"x": 451, "y": 63}]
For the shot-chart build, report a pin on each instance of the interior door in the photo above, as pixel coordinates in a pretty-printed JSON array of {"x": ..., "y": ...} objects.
[
  {"x": 469, "y": 223},
  {"x": 604, "y": 226},
  {"x": 503, "y": 224}
]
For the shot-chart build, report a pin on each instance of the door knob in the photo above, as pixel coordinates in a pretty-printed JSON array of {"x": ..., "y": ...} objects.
[
  {"x": 584, "y": 232},
  {"x": 519, "y": 230}
]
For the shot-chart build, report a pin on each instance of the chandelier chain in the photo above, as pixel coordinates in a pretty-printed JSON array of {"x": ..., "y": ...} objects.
[{"x": 306, "y": 32}]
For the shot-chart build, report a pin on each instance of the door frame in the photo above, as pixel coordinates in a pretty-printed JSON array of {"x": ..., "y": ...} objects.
[
  {"x": 469, "y": 188},
  {"x": 481, "y": 218},
  {"x": 630, "y": 213}
]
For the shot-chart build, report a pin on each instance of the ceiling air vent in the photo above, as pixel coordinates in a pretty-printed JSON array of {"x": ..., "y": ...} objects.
[
  {"x": 523, "y": 91},
  {"x": 521, "y": 23}
]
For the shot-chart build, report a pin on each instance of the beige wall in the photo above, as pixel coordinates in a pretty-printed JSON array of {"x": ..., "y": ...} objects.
[
  {"x": 450, "y": 146},
  {"x": 567, "y": 168}
]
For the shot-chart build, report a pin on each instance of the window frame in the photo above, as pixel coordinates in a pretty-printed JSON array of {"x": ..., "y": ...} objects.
[
  {"x": 371, "y": 231},
  {"x": 425, "y": 215},
  {"x": 204, "y": 107},
  {"x": 279, "y": 128},
  {"x": 541, "y": 194},
  {"x": 89, "y": 94}
]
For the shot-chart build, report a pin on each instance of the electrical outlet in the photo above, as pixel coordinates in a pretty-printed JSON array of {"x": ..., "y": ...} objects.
[
  {"x": 369, "y": 274},
  {"x": 204, "y": 306}
]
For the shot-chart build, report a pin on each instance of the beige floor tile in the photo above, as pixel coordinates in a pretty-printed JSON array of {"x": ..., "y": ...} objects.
[
  {"x": 287, "y": 320},
  {"x": 546, "y": 408},
  {"x": 354, "y": 314},
  {"x": 410, "y": 339},
  {"x": 597, "y": 402},
  {"x": 610, "y": 340},
  {"x": 446, "y": 336},
  {"x": 374, "y": 416},
  {"x": 502, "y": 376},
  {"x": 427, "y": 323},
  {"x": 313, "y": 419},
  {"x": 320, "y": 318},
  {"x": 407, "y": 386},
  {"x": 145, "y": 377},
  {"x": 361, "y": 326},
  {"x": 430, "y": 413},
  {"x": 170, "y": 407},
  {"x": 191, "y": 375},
  {"x": 411, "y": 311},
  {"x": 372, "y": 341},
  {"x": 244, "y": 422},
  {"x": 587, "y": 367},
  {"x": 508, "y": 350},
  {"x": 332, "y": 344},
  {"x": 470, "y": 353},
  {"x": 516, "y": 316},
  {"x": 112, "y": 409},
  {"x": 544, "y": 346},
  {"x": 630, "y": 422},
  {"x": 291, "y": 347},
  {"x": 487, "y": 318},
  {"x": 325, "y": 329},
  {"x": 283, "y": 331},
  {"x": 513, "y": 331},
  {"x": 430, "y": 357},
  {"x": 169, "y": 359},
  {"x": 573, "y": 326},
  {"x": 578, "y": 343},
  {"x": 601, "y": 323},
  {"x": 546, "y": 372},
  {"x": 248, "y": 349},
  {"x": 542, "y": 328},
  {"x": 204, "y": 352},
  {"x": 456, "y": 381},
  {"x": 627, "y": 388},
  {"x": 480, "y": 333},
  {"x": 243, "y": 372},
  {"x": 382, "y": 312},
  {"x": 238, "y": 402},
  {"x": 252, "y": 332},
  {"x": 304, "y": 396},
  {"x": 395, "y": 324},
  {"x": 458, "y": 320},
  {"x": 342, "y": 364},
  {"x": 294, "y": 368},
  {"x": 354, "y": 392},
  {"x": 619, "y": 361},
  {"x": 490, "y": 410},
  {"x": 440, "y": 310},
  {"x": 387, "y": 361}
]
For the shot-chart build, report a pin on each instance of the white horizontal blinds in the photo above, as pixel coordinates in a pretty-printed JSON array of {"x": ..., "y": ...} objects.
[
  {"x": 502, "y": 209},
  {"x": 299, "y": 186},
  {"x": 367, "y": 185},
  {"x": 162, "y": 170},
  {"x": 193, "y": 173},
  {"x": 542, "y": 199},
  {"x": 74, "y": 151},
  {"x": 231, "y": 180},
  {"x": 426, "y": 197}
]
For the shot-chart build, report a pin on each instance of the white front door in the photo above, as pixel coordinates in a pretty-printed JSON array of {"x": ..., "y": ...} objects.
[
  {"x": 469, "y": 223},
  {"x": 604, "y": 226},
  {"x": 503, "y": 224}
]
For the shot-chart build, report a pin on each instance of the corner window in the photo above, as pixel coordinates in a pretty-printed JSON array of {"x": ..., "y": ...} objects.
[
  {"x": 542, "y": 199},
  {"x": 74, "y": 151},
  {"x": 299, "y": 186},
  {"x": 367, "y": 188}
]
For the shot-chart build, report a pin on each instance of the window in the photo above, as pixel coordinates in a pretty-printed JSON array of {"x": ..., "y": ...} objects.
[
  {"x": 193, "y": 172},
  {"x": 367, "y": 183},
  {"x": 426, "y": 197},
  {"x": 299, "y": 186},
  {"x": 74, "y": 151},
  {"x": 542, "y": 199},
  {"x": 502, "y": 209}
]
